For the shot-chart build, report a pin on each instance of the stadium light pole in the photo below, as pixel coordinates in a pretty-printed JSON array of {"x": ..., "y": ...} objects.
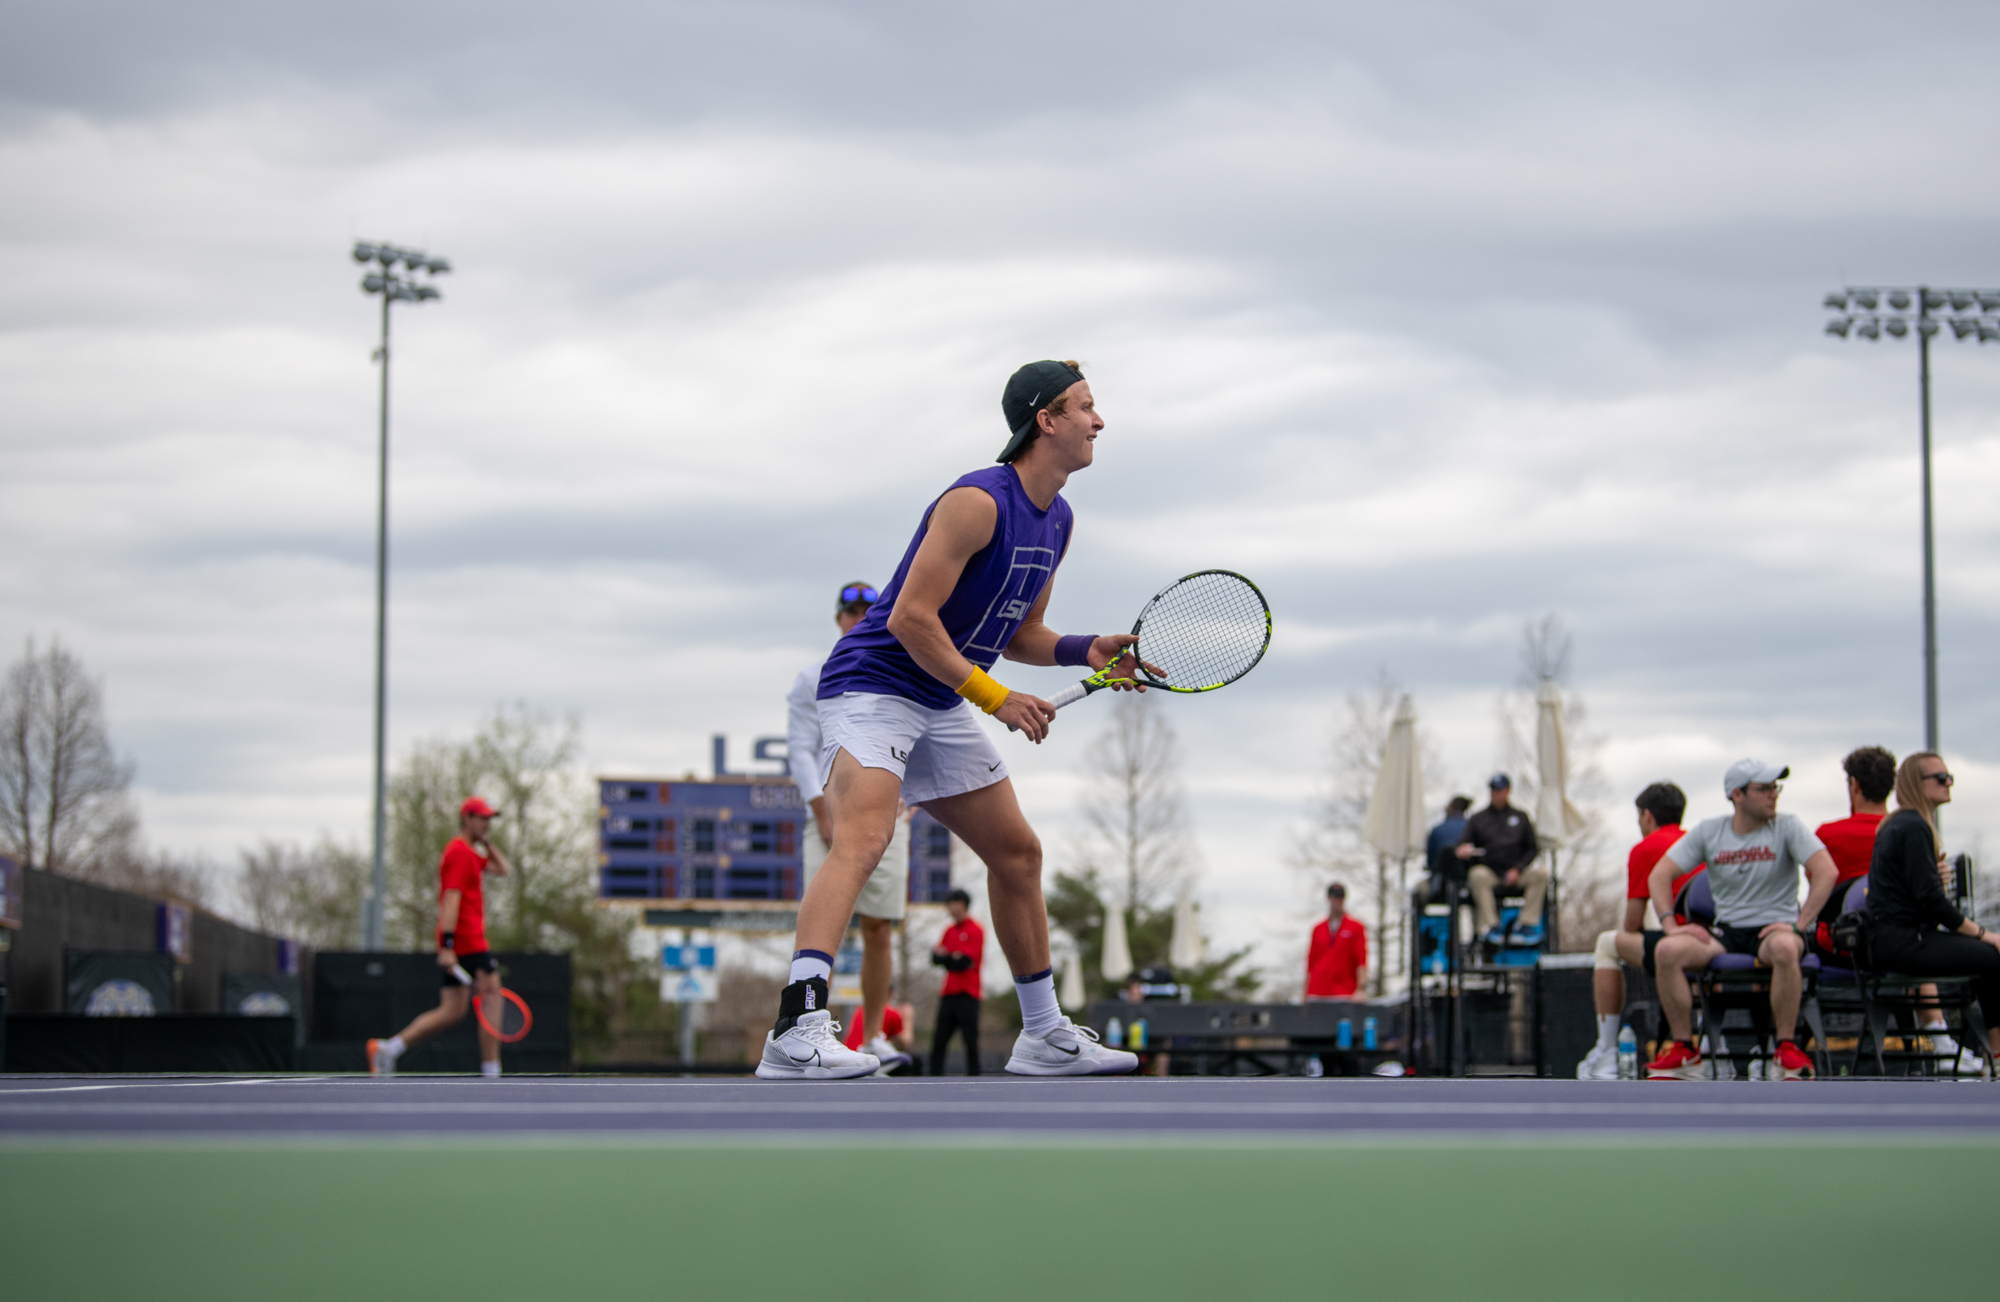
[
  {"x": 396, "y": 280},
  {"x": 1867, "y": 312}
]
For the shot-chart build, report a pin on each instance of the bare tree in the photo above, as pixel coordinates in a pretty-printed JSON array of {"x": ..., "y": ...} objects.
[
  {"x": 310, "y": 893},
  {"x": 63, "y": 799},
  {"x": 1134, "y": 808},
  {"x": 1335, "y": 846}
]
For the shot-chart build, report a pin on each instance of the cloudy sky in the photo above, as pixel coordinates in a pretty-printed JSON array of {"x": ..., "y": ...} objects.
[{"x": 1433, "y": 318}]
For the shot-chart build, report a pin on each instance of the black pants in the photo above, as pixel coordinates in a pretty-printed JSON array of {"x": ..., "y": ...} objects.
[
  {"x": 1939, "y": 953},
  {"x": 959, "y": 1013}
]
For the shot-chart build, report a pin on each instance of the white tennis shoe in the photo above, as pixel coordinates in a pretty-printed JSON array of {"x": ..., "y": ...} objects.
[
  {"x": 1068, "y": 1050},
  {"x": 887, "y": 1054},
  {"x": 1600, "y": 1064},
  {"x": 812, "y": 1050}
]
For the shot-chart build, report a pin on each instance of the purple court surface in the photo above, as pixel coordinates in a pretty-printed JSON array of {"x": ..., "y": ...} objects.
[{"x": 982, "y": 1110}]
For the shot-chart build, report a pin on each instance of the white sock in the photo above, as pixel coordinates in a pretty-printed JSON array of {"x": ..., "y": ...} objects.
[
  {"x": 395, "y": 1046},
  {"x": 490, "y": 1070},
  {"x": 1040, "y": 1013},
  {"x": 1607, "y": 1032},
  {"x": 810, "y": 963}
]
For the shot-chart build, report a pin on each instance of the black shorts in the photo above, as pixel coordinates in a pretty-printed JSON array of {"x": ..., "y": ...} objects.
[
  {"x": 473, "y": 964},
  {"x": 1653, "y": 939},
  {"x": 1738, "y": 940}
]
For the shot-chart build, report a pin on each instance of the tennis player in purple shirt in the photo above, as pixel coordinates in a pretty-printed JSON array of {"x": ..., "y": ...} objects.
[{"x": 895, "y": 702}]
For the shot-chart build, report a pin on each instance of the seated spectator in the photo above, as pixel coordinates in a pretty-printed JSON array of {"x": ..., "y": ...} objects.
[
  {"x": 1499, "y": 842},
  {"x": 1918, "y": 929},
  {"x": 1660, "y": 808},
  {"x": 1447, "y": 870},
  {"x": 1338, "y": 952},
  {"x": 1871, "y": 775},
  {"x": 1754, "y": 856}
]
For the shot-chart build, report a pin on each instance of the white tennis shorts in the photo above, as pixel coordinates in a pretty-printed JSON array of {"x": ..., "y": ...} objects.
[
  {"x": 937, "y": 753},
  {"x": 887, "y": 892}
]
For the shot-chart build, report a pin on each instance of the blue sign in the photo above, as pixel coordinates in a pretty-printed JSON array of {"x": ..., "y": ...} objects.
[{"x": 687, "y": 956}]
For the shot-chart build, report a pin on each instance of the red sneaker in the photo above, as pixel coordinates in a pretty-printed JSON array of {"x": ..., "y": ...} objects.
[
  {"x": 1679, "y": 1062},
  {"x": 1791, "y": 1063}
]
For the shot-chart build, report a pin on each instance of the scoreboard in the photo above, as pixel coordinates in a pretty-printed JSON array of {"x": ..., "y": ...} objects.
[{"x": 730, "y": 838}]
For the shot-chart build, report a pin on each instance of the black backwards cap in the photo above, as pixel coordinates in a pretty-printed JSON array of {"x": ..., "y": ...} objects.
[{"x": 1028, "y": 390}]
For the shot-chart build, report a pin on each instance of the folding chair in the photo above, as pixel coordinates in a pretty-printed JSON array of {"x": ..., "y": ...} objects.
[
  {"x": 1740, "y": 981},
  {"x": 1888, "y": 995}
]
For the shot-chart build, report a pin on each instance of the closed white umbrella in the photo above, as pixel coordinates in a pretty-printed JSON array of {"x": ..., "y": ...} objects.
[
  {"x": 1395, "y": 823},
  {"x": 1069, "y": 992},
  {"x": 1117, "y": 963},
  {"x": 1185, "y": 949},
  {"x": 1556, "y": 819}
]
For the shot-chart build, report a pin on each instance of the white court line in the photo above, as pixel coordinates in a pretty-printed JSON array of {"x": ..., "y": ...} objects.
[
  {"x": 1652, "y": 1109},
  {"x": 160, "y": 1085}
]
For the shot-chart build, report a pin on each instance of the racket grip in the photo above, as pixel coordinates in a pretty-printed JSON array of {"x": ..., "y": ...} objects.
[
  {"x": 1067, "y": 696},
  {"x": 460, "y": 975}
]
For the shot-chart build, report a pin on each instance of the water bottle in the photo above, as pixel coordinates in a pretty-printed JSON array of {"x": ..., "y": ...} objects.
[
  {"x": 1314, "y": 1067},
  {"x": 1628, "y": 1054},
  {"x": 1368, "y": 1035},
  {"x": 1344, "y": 1036},
  {"x": 1114, "y": 1032},
  {"x": 1138, "y": 1033}
]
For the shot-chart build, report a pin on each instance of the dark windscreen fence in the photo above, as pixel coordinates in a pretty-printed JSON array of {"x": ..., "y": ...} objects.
[
  {"x": 118, "y": 983},
  {"x": 264, "y": 994},
  {"x": 357, "y": 997}
]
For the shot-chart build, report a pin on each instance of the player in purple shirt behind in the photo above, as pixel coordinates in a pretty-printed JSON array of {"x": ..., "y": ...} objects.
[{"x": 895, "y": 706}]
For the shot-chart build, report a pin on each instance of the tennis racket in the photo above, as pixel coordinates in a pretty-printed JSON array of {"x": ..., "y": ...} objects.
[
  {"x": 504, "y": 1014},
  {"x": 1202, "y": 631}
]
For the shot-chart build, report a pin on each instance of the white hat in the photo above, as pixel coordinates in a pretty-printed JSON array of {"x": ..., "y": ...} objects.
[{"x": 1745, "y": 771}]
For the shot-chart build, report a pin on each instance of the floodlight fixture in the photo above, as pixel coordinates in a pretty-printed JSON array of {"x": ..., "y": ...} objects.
[
  {"x": 1870, "y": 329},
  {"x": 1866, "y": 298},
  {"x": 1899, "y": 299},
  {"x": 1896, "y": 326},
  {"x": 1838, "y": 302},
  {"x": 395, "y": 286},
  {"x": 1840, "y": 325}
]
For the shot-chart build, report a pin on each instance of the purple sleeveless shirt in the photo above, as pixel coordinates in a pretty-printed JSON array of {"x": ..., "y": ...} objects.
[{"x": 999, "y": 586}]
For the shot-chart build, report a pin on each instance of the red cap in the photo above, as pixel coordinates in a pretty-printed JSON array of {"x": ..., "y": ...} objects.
[{"x": 477, "y": 808}]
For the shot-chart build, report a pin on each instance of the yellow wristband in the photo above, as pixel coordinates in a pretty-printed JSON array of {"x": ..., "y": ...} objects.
[{"x": 982, "y": 691}]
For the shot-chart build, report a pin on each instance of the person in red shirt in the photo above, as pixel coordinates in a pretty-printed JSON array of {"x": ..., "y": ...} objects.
[
  {"x": 1660, "y": 809},
  {"x": 895, "y": 1029},
  {"x": 1338, "y": 951},
  {"x": 958, "y": 952},
  {"x": 461, "y": 942},
  {"x": 1871, "y": 776}
]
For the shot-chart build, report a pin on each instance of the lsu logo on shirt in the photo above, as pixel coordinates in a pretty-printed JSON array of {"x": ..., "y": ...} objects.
[{"x": 1027, "y": 575}]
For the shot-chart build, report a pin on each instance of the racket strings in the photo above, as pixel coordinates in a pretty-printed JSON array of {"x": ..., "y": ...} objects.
[{"x": 1205, "y": 630}]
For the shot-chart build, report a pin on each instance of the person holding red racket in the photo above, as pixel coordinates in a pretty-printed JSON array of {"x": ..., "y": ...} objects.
[{"x": 463, "y": 959}]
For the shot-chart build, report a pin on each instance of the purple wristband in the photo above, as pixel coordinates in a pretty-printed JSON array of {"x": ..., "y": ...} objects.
[{"x": 1074, "y": 649}]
